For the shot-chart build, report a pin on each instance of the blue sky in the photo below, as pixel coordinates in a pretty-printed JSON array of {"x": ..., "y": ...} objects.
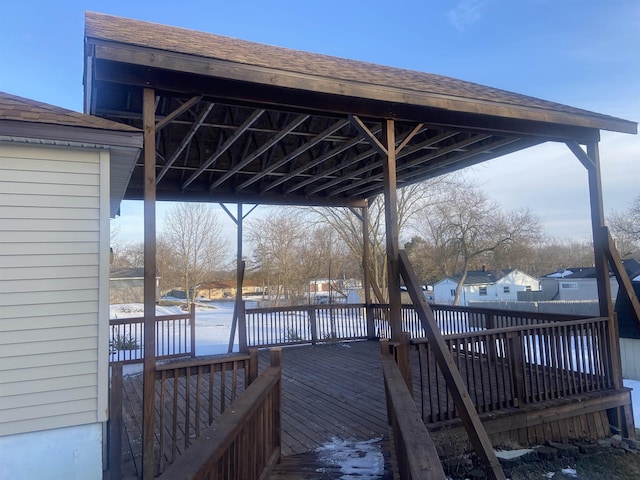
[{"x": 584, "y": 53}]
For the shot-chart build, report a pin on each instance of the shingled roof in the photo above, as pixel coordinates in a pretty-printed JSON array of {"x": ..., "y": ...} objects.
[
  {"x": 243, "y": 121},
  {"x": 215, "y": 47},
  {"x": 26, "y": 120},
  {"x": 20, "y": 109}
]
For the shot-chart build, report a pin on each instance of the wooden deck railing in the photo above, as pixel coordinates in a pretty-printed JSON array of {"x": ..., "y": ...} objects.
[
  {"x": 306, "y": 324},
  {"x": 456, "y": 319},
  {"x": 244, "y": 442},
  {"x": 175, "y": 337},
  {"x": 509, "y": 367},
  {"x": 191, "y": 394},
  {"x": 413, "y": 449}
]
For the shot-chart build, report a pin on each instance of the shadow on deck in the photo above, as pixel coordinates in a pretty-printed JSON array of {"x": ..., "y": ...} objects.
[{"x": 333, "y": 413}]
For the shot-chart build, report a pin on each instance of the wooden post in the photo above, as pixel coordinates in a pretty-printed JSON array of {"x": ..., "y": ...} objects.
[
  {"x": 491, "y": 343},
  {"x": 403, "y": 353},
  {"x": 600, "y": 243},
  {"x": 276, "y": 357},
  {"x": 115, "y": 421},
  {"x": 392, "y": 229},
  {"x": 239, "y": 269},
  {"x": 366, "y": 259},
  {"x": 252, "y": 374},
  {"x": 192, "y": 328},
  {"x": 313, "y": 324},
  {"x": 148, "y": 390},
  {"x": 515, "y": 365},
  {"x": 242, "y": 327},
  {"x": 384, "y": 346}
]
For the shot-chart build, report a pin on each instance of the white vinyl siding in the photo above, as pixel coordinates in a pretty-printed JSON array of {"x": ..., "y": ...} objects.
[{"x": 53, "y": 246}]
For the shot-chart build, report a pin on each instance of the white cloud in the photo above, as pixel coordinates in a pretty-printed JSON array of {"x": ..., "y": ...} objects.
[{"x": 466, "y": 13}]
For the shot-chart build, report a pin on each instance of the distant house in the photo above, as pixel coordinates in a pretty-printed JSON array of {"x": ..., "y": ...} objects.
[
  {"x": 580, "y": 283},
  {"x": 485, "y": 285},
  {"x": 126, "y": 285},
  {"x": 324, "y": 290},
  {"x": 227, "y": 289},
  {"x": 63, "y": 175}
]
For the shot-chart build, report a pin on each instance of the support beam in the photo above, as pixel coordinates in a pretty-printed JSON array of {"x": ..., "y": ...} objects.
[
  {"x": 148, "y": 390},
  {"x": 366, "y": 278},
  {"x": 626, "y": 287},
  {"x": 240, "y": 267},
  {"x": 381, "y": 148},
  {"x": 600, "y": 241},
  {"x": 591, "y": 161},
  {"x": 455, "y": 384},
  {"x": 392, "y": 228},
  {"x": 177, "y": 112}
]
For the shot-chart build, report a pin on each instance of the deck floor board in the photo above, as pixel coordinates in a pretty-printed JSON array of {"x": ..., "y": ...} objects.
[{"x": 330, "y": 393}]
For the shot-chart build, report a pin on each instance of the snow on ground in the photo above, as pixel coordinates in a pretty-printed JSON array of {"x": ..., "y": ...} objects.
[
  {"x": 356, "y": 459},
  {"x": 213, "y": 323}
]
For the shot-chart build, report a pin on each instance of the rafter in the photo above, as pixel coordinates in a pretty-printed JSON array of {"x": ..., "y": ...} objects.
[
  {"x": 299, "y": 151},
  {"x": 185, "y": 141},
  {"x": 378, "y": 164},
  {"x": 314, "y": 163},
  {"x": 177, "y": 112},
  {"x": 263, "y": 148},
  {"x": 236, "y": 135}
]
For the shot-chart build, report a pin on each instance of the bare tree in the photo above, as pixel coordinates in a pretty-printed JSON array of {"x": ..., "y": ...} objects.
[
  {"x": 192, "y": 235},
  {"x": 625, "y": 228},
  {"x": 279, "y": 249},
  {"x": 466, "y": 226},
  {"x": 411, "y": 200}
]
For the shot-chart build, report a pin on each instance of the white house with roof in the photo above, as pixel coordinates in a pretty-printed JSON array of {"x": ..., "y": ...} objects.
[
  {"x": 580, "y": 283},
  {"x": 58, "y": 188},
  {"x": 485, "y": 285}
]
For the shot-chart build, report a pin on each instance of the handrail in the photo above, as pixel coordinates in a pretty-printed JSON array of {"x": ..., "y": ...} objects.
[
  {"x": 245, "y": 440},
  {"x": 188, "y": 403},
  {"x": 175, "y": 337},
  {"x": 516, "y": 366},
  {"x": 305, "y": 324},
  {"x": 415, "y": 453}
]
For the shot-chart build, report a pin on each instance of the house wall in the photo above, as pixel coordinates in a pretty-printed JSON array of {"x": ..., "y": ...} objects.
[
  {"x": 442, "y": 291},
  {"x": 575, "y": 288},
  {"x": 516, "y": 281},
  {"x": 73, "y": 453},
  {"x": 54, "y": 271},
  {"x": 630, "y": 356}
]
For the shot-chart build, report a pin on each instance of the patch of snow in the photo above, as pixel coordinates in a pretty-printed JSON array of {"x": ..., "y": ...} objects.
[
  {"x": 549, "y": 474},
  {"x": 356, "y": 459},
  {"x": 570, "y": 471},
  {"x": 510, "y": 454}
]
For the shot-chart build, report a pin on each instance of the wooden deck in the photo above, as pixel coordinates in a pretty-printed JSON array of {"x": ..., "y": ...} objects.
[
  {"x": 333, "y": 412},
  {"x": 334, "y": 416}
]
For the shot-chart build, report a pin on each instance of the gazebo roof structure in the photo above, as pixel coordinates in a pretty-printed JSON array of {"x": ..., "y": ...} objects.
[
  {"x": 245, "y": 122},
  {"x": 226, "y": 120}
]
